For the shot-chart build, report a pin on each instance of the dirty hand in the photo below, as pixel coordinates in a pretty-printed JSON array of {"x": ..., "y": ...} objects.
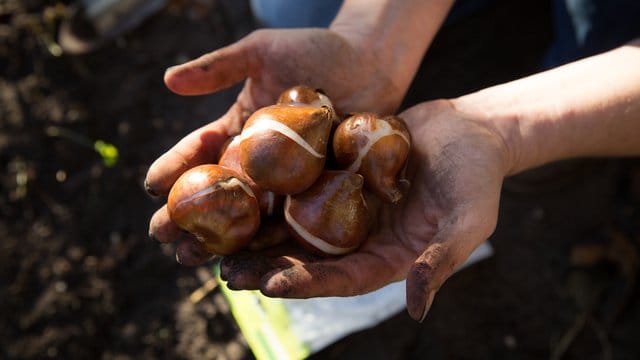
[
  {"x": 272, "y": 60},
  {"x": 456, "y": 170},
  {"x": 269, "y": 61}
]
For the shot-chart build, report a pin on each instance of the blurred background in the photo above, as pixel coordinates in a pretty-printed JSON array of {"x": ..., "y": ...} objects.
[{"x": 81, "y": 119}]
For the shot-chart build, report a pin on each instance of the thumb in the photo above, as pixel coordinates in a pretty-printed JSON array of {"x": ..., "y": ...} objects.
[
  {"x": 433, "y": 267},
  {"x": 425, "y": 277},
  {"x": 219, "y": 69}
]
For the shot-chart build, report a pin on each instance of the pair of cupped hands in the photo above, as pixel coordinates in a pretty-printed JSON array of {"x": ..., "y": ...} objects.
[{"x": 456, "y": 168}]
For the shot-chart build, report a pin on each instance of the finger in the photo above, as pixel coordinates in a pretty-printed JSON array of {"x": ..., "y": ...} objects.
[
  {"x": 217, "y": 70},
  {"x": 161, "y": 228},
  {"x": 350, "y": 275},
  {"x": 246, "y": 270},
  {"x": 199, "y": 147},
  {"x": 426, "y": 276},
  {"x": 243, "y": 272},
  {"x": 191, "y": 252},
  {"x": 448, "y": 250}
]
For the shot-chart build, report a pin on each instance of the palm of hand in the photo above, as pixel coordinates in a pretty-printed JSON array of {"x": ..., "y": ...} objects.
[
  {"x": 456, "y": 169},
  {"x": 456, "y": 172}
]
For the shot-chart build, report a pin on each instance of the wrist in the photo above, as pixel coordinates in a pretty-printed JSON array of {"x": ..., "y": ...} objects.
[
  {"x": 589, "y": 108},
  {"x": 504, "y": 124}
]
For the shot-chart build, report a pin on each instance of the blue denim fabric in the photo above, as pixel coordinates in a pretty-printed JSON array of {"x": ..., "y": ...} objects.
[
  {"x": 581, "y": 27},
  {"x": 587, "y": 27},
  {"x": 320, "y": 13},
  {"x": 295, "y": 13}
]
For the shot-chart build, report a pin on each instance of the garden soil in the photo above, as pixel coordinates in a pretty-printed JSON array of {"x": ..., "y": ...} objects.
[{"x": 79, "y": 278}]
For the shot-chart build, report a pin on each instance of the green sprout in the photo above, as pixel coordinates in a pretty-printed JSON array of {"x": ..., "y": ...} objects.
[{"x": 107, "y": 151}]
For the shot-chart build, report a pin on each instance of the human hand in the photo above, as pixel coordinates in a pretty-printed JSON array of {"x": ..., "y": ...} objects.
[
  {"x": 273, "y": 60},
  {"x": 462, "y": 150},
  {"x": 456, "y": 170},
  {"x": 270, "y": 61}
]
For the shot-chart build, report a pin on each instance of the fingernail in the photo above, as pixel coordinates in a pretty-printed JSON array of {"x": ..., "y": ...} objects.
[
  {"x": 231, "y": 285},
  {"x": 427, "y": 305},
  {"x": 149, "y": 190},
  {"x": 275, "y": 286},
  {"x": 225, "y": 272}
]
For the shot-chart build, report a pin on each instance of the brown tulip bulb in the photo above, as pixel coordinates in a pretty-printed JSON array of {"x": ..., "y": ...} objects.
[
  {"x": 283, "y": 148},
  {"x": 230, "y": 158},
  {"x": 302, "y": 95},
  {"x": 273, "y": 231},
  {"x": 331, "y": 217},
  {"x": 217, "y": 206},
  {"x": 375, "y": 147}
]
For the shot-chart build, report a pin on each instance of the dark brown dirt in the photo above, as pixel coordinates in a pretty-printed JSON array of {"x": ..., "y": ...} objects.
[{"x": 80, "y": 279}]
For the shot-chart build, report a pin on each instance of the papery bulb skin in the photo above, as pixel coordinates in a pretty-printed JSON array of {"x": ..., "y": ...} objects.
[
  {"x": 305, "y": 95},
  {"x": 331, "y": 217},
  {"x": 302, "y": 95},
  {"x": 269, "y": 202},
  {"x": 377, "y": 148},
  {"x": 283, "y": 148},
  {"x": 216, "y": 205}
]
